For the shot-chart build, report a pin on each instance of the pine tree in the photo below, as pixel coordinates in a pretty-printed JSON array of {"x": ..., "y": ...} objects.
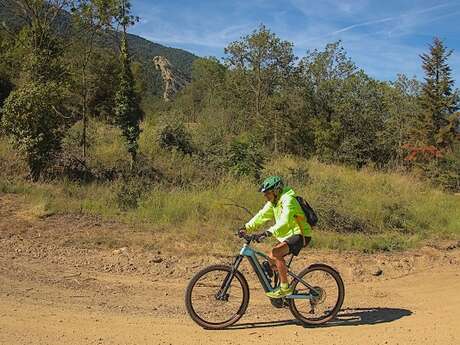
[{"x": 440, "y": 103}]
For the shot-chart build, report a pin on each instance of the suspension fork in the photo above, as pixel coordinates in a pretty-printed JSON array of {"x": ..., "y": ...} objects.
[{"x": 222, "y": 293}]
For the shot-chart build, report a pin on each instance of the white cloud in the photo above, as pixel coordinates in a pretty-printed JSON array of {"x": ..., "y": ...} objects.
[
  {"x": 371, "y": 22},
  {"x": 215, "y": 39}
]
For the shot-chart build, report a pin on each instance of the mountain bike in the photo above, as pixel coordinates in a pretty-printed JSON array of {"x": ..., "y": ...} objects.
[{"x": 218, "y": 295}]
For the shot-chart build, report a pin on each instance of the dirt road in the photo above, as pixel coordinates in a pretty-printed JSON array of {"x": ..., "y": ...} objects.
[{"x": 55, "y": 288}]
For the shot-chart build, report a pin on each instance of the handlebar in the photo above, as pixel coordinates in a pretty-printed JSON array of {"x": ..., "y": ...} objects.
[{"x": 249, "y": 237}]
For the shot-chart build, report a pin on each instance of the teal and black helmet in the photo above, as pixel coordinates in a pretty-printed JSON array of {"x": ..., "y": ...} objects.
[{"x": 271, "y": 182}]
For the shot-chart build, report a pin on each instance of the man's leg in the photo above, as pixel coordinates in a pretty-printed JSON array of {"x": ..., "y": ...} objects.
[{"x": 277, "y": 255}]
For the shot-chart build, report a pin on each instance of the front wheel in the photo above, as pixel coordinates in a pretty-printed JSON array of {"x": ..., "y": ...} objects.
[
  {"x": 211, "y": 307},
  {"x": 325, "y": 299}
]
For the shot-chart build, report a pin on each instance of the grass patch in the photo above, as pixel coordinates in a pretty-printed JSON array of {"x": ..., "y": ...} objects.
[{"x": 358, "y": 210}]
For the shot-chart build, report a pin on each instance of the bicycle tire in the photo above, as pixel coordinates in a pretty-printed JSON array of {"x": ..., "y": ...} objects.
[
  {"x": 199, "y": 319},
  {"x": 338, "y": 304}
]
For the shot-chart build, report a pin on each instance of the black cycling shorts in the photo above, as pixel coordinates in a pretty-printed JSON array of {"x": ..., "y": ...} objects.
[{"x": 296, "y": 243}]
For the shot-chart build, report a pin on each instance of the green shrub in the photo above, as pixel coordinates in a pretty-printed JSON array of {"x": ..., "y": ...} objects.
[
  {"x": 445, "y": 172},
  {"x": 33, "y": 118},
  {"x": 128, "y": 193},
  {"x": 245, "y": 159},
  {"x": 175, "y": 137}
]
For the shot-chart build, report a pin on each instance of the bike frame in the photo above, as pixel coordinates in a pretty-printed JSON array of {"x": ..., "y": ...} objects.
[{"x": 252, "y": 256}]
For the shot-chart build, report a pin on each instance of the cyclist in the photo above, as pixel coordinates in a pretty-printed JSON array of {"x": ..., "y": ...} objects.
[{"x": 290, "y": 229}]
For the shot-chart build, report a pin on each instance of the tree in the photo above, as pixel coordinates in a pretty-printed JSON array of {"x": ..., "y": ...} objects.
[
  {"x": 440, "y": 117},
  {"x": 402, "y": 109},
  {"x": 91, "y": 18},
  {"x": 360, "y": 114},
  {"x": 6, "y": 86},
  {"x": 33, "y": 115},
  {"x": 260, "y": 64},
  {"x": 102, "y": 85},
  {"x": 434, "y": 139},
  {"x": 245, "y": 159},
  {"x": 41, "y": 40},
  {"x": 279, "y": 128},
  {"x": 175, "y": 136},
  {"x": 6, "y": 68},
  {"x": 33, "y": 119},
  {"x": 323, "y": 75},
  {"x": 208, "y": 77},
  {"x": 204, "y": 91}
]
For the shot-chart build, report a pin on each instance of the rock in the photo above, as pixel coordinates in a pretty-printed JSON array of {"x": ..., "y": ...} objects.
[
  {"x": 156, "y": 259},
  {"x": 120, "y": 251},
  {"x": 377, "y": 272},
  {"x": 174, "y": 81}
]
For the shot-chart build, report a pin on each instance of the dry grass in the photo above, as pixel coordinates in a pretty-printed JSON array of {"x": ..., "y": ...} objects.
[{"x": 366, "y": 210}]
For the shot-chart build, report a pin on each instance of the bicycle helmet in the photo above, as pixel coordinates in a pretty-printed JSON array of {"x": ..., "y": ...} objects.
[{"x": 271, "y": 182}]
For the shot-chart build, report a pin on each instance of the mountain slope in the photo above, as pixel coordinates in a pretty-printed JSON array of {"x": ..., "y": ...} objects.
[{"x": 142, "y": 50}]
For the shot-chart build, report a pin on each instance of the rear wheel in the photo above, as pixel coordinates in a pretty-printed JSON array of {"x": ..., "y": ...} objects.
[
  {"x": 206, "y": 304},
  {"x": 326, "y": 298}
]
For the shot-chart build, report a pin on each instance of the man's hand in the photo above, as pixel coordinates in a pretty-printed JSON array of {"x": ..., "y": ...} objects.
[
  {"x": 260, "y": 236},
  {"x": 242, "y": 232}
]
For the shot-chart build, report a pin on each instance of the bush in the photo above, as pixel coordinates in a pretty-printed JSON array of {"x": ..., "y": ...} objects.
[
  {"x": 445, "y": 172},
  {"x": 135, "y": 182},
  {"x": 397, "y": 216},
  {"x": 245, "y": 159},
  {"x": 33, "y": 118},
  {"x": 128, "y": 193},
  {"x": 5, "y": 89},
  {"x": 175, "y": 137},
  {"x": 442, "y": 168},
  {"x": 11, "y": 166}
]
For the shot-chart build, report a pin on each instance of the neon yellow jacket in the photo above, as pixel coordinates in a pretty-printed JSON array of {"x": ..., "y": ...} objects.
[{"x": 288, "y": 215}]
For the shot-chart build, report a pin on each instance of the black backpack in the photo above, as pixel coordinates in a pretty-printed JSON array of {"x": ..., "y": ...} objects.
[{"x": 312, "y": 218}]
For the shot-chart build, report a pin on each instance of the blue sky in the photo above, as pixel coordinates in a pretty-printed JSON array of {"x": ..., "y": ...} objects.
[{"x": 382, "y": 37}]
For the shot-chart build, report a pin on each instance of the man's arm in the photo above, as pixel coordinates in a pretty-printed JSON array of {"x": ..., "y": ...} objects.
[
  {"x": 287, "y": 211},
  {"x": 263, "y": 216}
]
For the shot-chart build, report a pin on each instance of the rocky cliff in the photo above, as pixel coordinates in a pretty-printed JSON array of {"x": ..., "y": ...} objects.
[{"x": 173, "y": 80}]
